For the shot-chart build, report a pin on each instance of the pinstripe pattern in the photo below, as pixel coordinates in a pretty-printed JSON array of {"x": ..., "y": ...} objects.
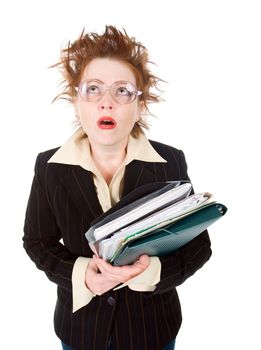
[
  {"x": 62, "y": 205},
  {"x": 95, "y": 324},
  {"x": 156, "y": 326},
  {"x": 82, "y": 335},
  {"x": 143, "y": 322},
  {"x": 165, "y": 321},
  {"x": 129, "y": 321}
]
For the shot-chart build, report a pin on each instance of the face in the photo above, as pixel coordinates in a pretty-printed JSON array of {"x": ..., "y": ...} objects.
[{"x": 95, "y": 116}]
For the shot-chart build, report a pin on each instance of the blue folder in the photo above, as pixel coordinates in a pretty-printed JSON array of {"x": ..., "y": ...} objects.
[{"x": 170, "y": 238}]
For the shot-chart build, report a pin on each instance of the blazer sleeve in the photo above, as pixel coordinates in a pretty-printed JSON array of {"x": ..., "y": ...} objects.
[
  {"x": 177, "y": 267},
  {"x": 42, "y": 236}
]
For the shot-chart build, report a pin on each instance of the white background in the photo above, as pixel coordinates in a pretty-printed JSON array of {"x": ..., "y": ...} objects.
[{"x": 209, "y": 52}]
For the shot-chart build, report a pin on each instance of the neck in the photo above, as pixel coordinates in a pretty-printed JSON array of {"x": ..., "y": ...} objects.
[
  {"x": 108, "y": 153},
  {"x": 108, "y": 158}
]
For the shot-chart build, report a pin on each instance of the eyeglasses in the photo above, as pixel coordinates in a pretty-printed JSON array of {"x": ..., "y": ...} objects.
[{"x": 122, "y": 92}]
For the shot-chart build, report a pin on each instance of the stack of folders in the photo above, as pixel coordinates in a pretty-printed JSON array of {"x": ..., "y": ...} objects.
[{"x": 157, "y": 224}]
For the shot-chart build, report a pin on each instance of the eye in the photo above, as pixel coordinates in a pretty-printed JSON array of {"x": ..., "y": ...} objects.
[
  {"x": 123, "y": 91},
  {"x": 92, "y": 89}
]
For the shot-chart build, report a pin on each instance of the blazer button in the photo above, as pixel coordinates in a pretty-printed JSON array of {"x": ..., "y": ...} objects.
[{"x": 111, "y": 301}]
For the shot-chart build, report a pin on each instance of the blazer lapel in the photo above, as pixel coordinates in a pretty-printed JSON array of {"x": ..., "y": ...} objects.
[
  {"x": 138, "y": 173},
  {"x": 80, "y": 186}
]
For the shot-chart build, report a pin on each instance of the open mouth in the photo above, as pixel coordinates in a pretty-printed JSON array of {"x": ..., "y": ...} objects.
[{"x": 106, "y": 123}]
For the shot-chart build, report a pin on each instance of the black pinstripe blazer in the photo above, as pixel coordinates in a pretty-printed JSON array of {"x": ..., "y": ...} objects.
[{"x": 62, "y": 204}]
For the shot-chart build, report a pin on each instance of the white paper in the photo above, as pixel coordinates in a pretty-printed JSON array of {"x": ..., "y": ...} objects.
[{"x": 141, "y": 210}]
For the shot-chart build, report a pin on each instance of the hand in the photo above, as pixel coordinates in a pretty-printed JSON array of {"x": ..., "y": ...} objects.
[{"x": 101, "y": 276}]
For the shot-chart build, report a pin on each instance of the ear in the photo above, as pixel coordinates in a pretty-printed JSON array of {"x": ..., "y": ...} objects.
[
  {"x": 141, "y": 110},
  {"x": 142, "y": 105}
]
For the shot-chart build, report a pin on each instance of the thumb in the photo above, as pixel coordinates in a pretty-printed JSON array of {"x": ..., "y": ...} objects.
[{"x": 143, "y": 260}]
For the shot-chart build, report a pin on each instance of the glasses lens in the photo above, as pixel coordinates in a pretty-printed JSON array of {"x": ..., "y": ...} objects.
[
  {"x": 91, "y": 90},
  {"x": 123, "y": 92}
]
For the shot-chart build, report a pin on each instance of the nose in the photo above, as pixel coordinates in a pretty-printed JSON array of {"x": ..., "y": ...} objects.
[{"x": 106, "y": 103}]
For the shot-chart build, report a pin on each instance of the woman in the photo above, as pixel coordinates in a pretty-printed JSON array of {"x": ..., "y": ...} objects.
[{"x": 109, "y": 83}]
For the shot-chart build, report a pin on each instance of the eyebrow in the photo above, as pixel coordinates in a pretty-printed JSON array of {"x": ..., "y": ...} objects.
[
  {"x": 117, "y": 81},
  {"x": 98, "y": 80}
]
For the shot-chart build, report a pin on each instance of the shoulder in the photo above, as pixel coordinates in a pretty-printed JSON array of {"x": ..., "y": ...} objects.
[
  {"x": 49, "y": 175},
  {"x": 168, "y": 152},
  {"x": 176, "y": 161},
  {"x": 43, "y": 157},
  {"x": 45, "y": 170}
]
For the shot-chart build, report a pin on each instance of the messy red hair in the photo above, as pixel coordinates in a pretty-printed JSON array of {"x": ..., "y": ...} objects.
[{"x": 111, "y": 44}]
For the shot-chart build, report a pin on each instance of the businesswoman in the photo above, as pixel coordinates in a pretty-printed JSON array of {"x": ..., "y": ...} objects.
[{"x": 106, "y": 162}]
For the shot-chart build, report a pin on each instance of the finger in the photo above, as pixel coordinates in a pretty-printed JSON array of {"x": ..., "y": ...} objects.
[
  {"x": 143, "y": 261},
  {"x": 93, "y": 266},
  {"x": 104, "y": 266},
  {"x": 144, "y": 258},
  {"x": 136, "y": 268},
  {"x": 114, "y": 273}
]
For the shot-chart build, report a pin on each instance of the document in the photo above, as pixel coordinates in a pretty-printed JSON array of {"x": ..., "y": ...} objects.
[
  {"x": 156, "y": 223},
  {"x": 108, "y": 247},
  {"x": 142, "y": 207}
]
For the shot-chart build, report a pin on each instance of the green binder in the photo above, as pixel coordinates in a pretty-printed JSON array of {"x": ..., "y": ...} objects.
[{"x": 170, "y": 238}]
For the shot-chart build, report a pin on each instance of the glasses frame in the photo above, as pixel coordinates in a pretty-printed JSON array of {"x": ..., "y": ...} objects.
[{"x": 106, "y": 88}]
